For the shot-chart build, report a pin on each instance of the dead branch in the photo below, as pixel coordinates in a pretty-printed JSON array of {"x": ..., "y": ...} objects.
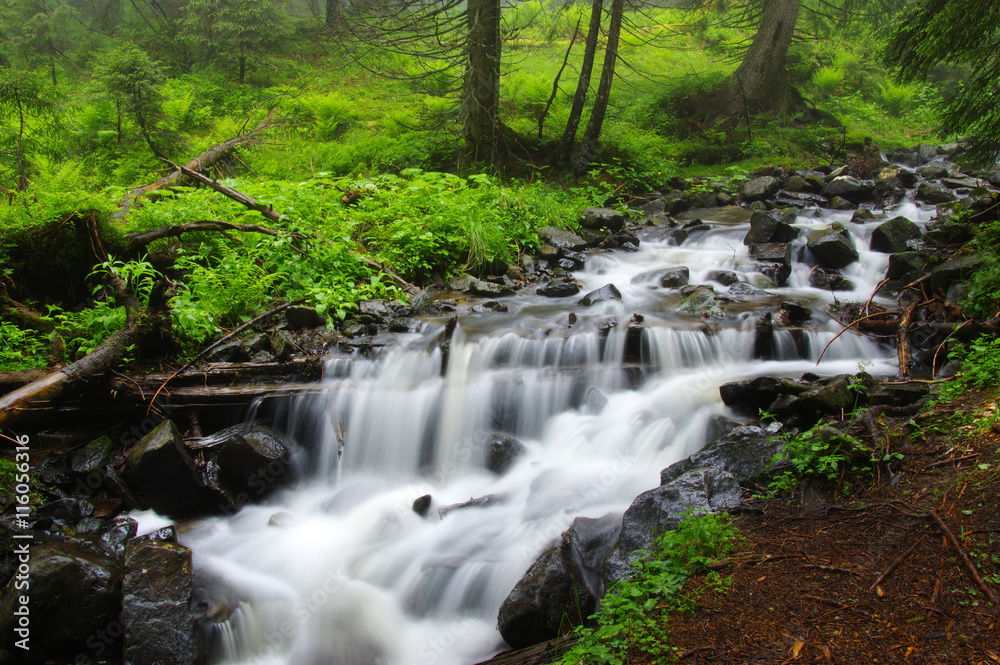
[
  {"x": 138, "y": 241},
  {"x": 969, "y": 565},
  {"x": 895, "y": 564},
  {"x": 204, "y": 160}
]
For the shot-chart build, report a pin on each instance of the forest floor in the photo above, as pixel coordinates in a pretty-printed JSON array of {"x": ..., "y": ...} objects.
[{"x": 871, "y": 577}]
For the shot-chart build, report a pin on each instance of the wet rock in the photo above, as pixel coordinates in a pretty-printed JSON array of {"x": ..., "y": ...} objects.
[
  {"x": 253, "y": 461},
  {"x": 901, "y": 395},
  {"x": 74, "y": 594},
  {"x": 560, "y": 239},
  {"x": 863, "y": 216},
  {"x": 63, "y": 513},
  {"x": 831, "y": 397},
  {"x": 936, "y": 170},
  {"x": 422, "y": 505},
  {"x": 603, "y": 294},
  {"x": 792, "y": 314},
  {"x": 603, "y": 218},
  {"x": 422, "y": 304},
  {"x": 745, "y": 452},
  {"x": 701, "y": 300},
  {"x": 117, "y": 535},
  {"x": 932, "y": 193},
  {"x": 746, "y": 289},
  {"x": 894, "y": 236},
  {"x": 654, "y": 208},
  {"x": 907, "y": 264},
  {"x": 703, "y": 490},
  {"x": 681, "y": 234},
  {"x": 166, "y": 475},
  {"x": 796, "y": 183},
  {"x": 378, "y": 310},
  {"x": 822, "y": 278},
  {"x": 254, "y": 343},
  {"x": 840, "y": 203},
  {"x": 594, "y": 401},
  {"x": 673, "y": 278},
  {"x": 92, "y": 457},
  {"x": 552, "y": 598},
  {"x": 590, "y": 541},
  {"x": 847, "y": 187},
  {"x": 763, "y": 344},
  {"x": 776, "y": 252},
  {"x": 718, "y": 427},
  {"x": 403, "y": 324},
  {"x": 157, "y": 593},
  {"x": 227, "y": 352},
  {"x": 488, "y": 290},
  {"x": 353, "y": 329},
  {"x": 283, "y": 344},
  {"x": 748, "y": 397},
  {"x": 766, "y": 228},
  {"x": 955, "y": 270},
  {"x": 559, "y": 287},
  {"x": 167, "y": 534},
  {"x": 463, "y": 281},
  {"x": 300, "y": 316},
  {"x": 502, "y": 451},
  {"x": 761, "y": 188},
  {"x": 724, "y": 277},
  {"x": 490, "y": 306},
  {"x": 831, "y": 248}
]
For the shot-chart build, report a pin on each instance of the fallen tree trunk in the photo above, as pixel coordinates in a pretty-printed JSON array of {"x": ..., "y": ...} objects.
[
  {"x": 138, "y": 241},
  {"x": 204, "y": 160}
]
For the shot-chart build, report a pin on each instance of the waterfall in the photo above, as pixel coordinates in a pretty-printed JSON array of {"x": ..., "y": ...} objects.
[{"x": 340, "y": 569}]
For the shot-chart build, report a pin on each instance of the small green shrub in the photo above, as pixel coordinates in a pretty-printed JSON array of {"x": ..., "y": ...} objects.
[
  {"x": 633, "y": 622},
  {"x": 20, "y": 349},
  {"x": 826, "y": 80},
  {"x": 897, "y": 98}
]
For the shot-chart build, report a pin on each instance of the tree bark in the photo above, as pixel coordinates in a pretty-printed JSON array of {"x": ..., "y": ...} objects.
[
  {"x": 760, "y": 83},
  {"x": 593, "y": 132},
  {"x": 204, "y": 160},
  {"x": 481, "y": 87},
  {"x": 562, "y": 150},
  {"x": 22, "y": 178},
  {"x": 333, "y": 9}
]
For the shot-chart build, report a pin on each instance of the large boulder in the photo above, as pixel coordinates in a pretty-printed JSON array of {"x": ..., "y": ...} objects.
[
  {"x": 559, "y": 287},
  {"x": 485, "y": 289},
  {"x": 894, "y": 236},
  {"x": 560, "y": 239},
  {"x": 745, "y": 452},
  {"x": 74, "y": 597},
  {"x": 761, "y": 188},
  {"x": 749, "y": 396},
  {"x": 166, "y": 475},
  {"x": 847, "y": 187},
  {"x": 502, "y": 451},
  {"x": 603, "y": 218},
  {"x": 765, "y": 227},
  {"x": 703, "y": 490},
  {"x": 156, "y": 607},
  {"x": 955, "y": 270},
  {"x": 701, "y": 300},
  {"x": 253, "y": 460},
  {"x": 832, "y": 248},
  {"x": 551, "y": 599},
  {"x": 603, "y": 294},
  {"x": 829, "y": 280}
]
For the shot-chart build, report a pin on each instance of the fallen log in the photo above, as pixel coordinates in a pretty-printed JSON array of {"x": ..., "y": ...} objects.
[
  {"x": 138, "y": 241},
  {"x": 204, "y": 160}
]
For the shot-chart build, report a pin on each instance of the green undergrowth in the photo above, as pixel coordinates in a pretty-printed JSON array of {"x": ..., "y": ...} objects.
[{"x": 633, "y": 624}]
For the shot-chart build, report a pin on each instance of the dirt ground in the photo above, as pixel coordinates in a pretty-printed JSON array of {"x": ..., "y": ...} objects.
[{"x": 872, "y": 577}]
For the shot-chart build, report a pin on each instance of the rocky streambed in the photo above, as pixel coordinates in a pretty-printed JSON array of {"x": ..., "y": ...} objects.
[{"x": 436, "y": 481}]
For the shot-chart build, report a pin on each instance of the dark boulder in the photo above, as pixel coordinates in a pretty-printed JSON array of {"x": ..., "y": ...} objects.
[
  {"x": 422, "y": 505},
  {"x": 590, "y": 541},
  {"x": 932, "y": 193},
  {"x": 490, "y": 306},
  {"x": 283, "y": 344},
  {"x": 559, "y": 287},
  {"x": 894, "y": 236},
  {"x": 156, "y": 616},
  {"x": 748, "y": 397},
  {"x": 551, "y": 599},
  {"x": 724, "y": 277},
  {"x": 502, "y": 451},
  {"x": 166, "y": 475},
  {"x": 747, "y": 289},
  {"x": 682, "y": 233},
  {"x": 829, "y": 280},
  {"x": 92, "y": 457},
  {"x": 761, "y": 188},
  {"x": 253, "y": 460},
  {"x": 603, "y": 218},
  {"x": 955, "y": 270},
  {"x": 863, "y": 216},
  {"x": 603, "y": 294},
  {"x": 74, "y": 596},
  {"x": 831, "y": 248},
  {"x": 560, "y": 239},
  {"x": 673, "y": 278},
  {"x": 745, "y": 452},
  {"x": 702, "y": 490},
  {"x": 775, "y": 252},
  {"x": 300, "y": 316},
  {"x": 792, "y": 314},
  {"x": 848, "y": 187},
  {"x": 701, "y": 300},
  {"x": 765, "y": 227},
  {"x": 488, "y": 289},
  {"x": 903, "y": 265}
]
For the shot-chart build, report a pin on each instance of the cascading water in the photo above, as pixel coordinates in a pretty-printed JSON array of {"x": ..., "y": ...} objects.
[{"x": 340, "y": 569}]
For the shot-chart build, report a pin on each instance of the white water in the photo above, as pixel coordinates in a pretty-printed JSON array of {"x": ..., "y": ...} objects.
[{"x": 350, "y": 574}]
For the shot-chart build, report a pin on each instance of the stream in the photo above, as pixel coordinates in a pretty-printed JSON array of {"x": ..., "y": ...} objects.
[{"x": 340, "y": 568}]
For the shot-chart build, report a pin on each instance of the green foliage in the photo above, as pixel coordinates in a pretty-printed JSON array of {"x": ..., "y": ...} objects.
[
  {"x": 980, "y": 367},
  {"x": 20, "y": 349},
  {"x": 820, "y": 452},
  {"x": 633, "y": 621},
  {"x": 133, "y": 81},
  {"x": 983, "y": 298},
  {"x": 896, "y": 98},
  {"x": 826, "y": 80}
]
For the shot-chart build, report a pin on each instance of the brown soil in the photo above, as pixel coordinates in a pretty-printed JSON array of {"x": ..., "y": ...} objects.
[{"x": 871, "y": 577}]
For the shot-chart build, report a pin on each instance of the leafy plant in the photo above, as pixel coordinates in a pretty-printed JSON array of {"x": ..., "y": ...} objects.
[
  {"x": 20, "y": 349},
  {"x": 633, "y": 623}
]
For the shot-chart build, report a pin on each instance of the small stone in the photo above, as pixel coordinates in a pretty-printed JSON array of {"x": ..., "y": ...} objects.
[{"x": 603, "y": 294}]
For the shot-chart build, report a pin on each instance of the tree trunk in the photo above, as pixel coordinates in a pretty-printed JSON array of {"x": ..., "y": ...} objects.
[
  {"x": 562, "y": 150},
  {"x": 333, "y": 9},
  {"x": 593, "y": 132},
  {"x": 481, "y": 88},
  {"x": 243, "y": 67},
  {"x": 22, "y": 178},
  {"x": 760, "y": 84}
]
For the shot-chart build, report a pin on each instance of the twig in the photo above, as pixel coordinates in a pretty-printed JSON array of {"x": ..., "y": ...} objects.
[
  {"x": 951, "y": 461},
  {"x": 846, "y": 328},
  {"x": 895, "y": 564},
  {"x": 226, "y": 338},
  {"x": 872, "y": 296},
  {"x": 971, "y": 567}
]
